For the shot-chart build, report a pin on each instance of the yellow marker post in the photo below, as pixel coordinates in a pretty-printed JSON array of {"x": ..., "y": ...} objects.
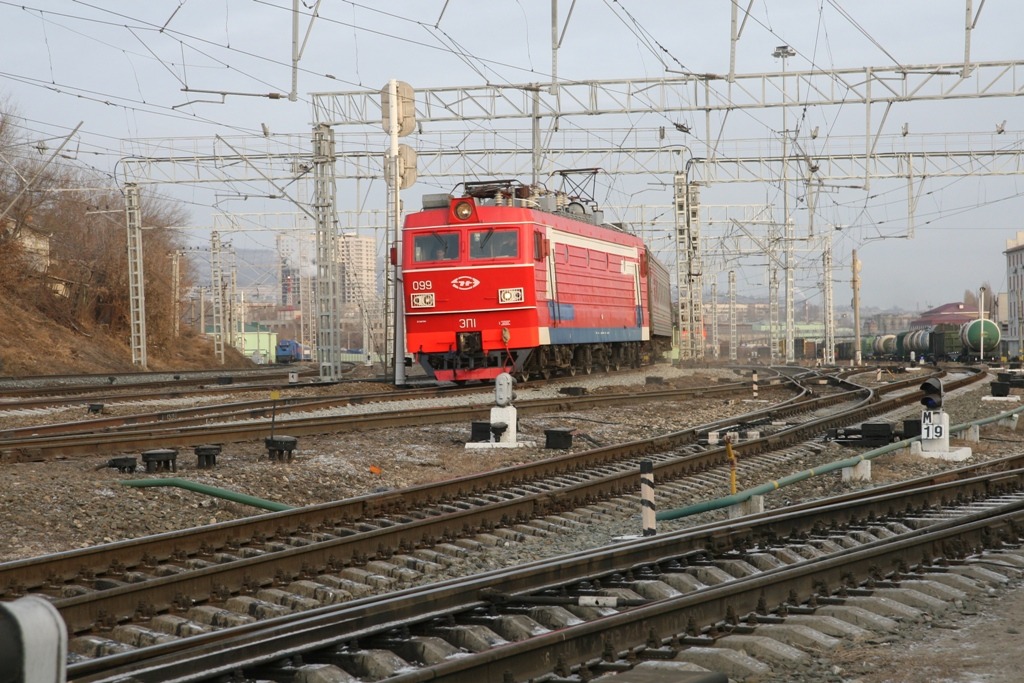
[
  {"x": 275, "y": 395},
  {"x": 732, "y": 465}
]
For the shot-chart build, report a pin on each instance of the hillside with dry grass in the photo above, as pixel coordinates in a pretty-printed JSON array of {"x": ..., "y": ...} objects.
[
  {"x": 65, "y": 306},
  {"x": 31, "y": 343}
]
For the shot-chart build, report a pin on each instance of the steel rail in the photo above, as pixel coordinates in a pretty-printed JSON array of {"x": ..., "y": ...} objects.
[
  {"x": 272, "y": 639},
  {"x": 89, "y": 611},
  {"x": 258, "y": 427},
  {"x": 23, "y": 575}
]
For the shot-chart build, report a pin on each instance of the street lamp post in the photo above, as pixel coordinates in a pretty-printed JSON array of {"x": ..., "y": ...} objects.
[
  {"x": 981, "y": 326},
  {"x": 783, "y": 52}
]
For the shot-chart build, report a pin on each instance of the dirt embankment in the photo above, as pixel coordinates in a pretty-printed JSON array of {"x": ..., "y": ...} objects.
[{"x": 33, "y": 344}]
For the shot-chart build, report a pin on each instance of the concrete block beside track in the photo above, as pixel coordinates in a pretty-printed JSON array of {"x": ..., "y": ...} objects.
[
  {"x": 765, "y": 649},
  {"x": 737, "y": 568},
  {"x": 393, "y": 571},
  {"x": 322, "y": 673},
  {"x": 418, "y": 564},
  {"x": 914, "y": 598},
  {"x": 800, "y": 635},
  {"x": 671, "y": 671},
  {"x": 655, "y": 590},
  {"x": 733, "y": 663},
  {"x": 514, "y": 627},
  {"x": 355, "y": 588},
  {"x": 681, "y": 581},
  {"x": 428, "y": 650},
  {"x": 472, "y": 637},
  {"x": 554, "y": 617},
  {"x": 886, "y": 607},
  {"x": 710, "y": 576},
  {"x": 323, "y": 595},
  {"x": 139, "y": 636},
  {"x": 830, "y": 626},
  {"x": 988, "y": 575},
  {"x": 360, "y": 575},
  {"x": 372, "y": 664},
  {"x": 177, "y": 626},
  {"x": 218, "y": 617},
  {"x": 261, "y": 609},
  {"x": 858, "y": 616}
]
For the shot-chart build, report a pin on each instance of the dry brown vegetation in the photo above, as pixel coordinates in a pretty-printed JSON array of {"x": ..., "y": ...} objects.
[{"x": 64, "y": 299}]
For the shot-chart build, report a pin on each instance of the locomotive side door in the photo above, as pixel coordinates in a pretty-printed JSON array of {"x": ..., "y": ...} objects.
[
  {"x": 551, "y": 287},
  {"x": 632, "y": 268}
]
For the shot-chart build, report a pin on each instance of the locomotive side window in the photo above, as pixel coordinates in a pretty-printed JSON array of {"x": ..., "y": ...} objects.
[
  {"x": 493, "y": 243},
  {"x": 436, "y": 246}
]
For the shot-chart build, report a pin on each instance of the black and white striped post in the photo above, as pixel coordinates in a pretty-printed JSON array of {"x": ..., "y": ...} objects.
[
  {"x": 753, "y": 382},
  {"x": 647, "y": 516}
]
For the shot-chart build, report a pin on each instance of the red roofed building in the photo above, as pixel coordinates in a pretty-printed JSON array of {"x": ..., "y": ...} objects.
[{"x": 955, "y": 314}]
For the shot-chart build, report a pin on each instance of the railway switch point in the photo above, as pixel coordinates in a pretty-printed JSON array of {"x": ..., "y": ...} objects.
[
  {"x": 280, "y": 448},
  {"x": 161, "y": 459},
  {"x": 125, "y": 465},
  {"x": 206, "y": 456}
]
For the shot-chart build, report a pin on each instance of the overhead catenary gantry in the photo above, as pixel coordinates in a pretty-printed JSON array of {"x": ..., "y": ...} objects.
[
  {"x": 710, "y": 94},
  {"x": 653, "y": 151}
]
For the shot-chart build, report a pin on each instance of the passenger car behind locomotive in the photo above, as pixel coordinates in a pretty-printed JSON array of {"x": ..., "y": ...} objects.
[{"x": 506, "y": 279}]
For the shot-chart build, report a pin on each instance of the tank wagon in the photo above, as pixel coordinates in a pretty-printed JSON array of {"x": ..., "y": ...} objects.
[
  {"x": 504, "y": 277},
  {"x": 945, "y": 341},
  {"x": 980, "y": 335}
]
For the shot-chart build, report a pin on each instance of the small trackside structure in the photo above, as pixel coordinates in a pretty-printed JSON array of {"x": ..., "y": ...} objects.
[
  {"x": 504, "y": 422},
  {"x": 935, "y": 427}
]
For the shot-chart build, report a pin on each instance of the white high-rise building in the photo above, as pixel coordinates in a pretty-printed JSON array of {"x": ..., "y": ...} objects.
[{"x": 357, "y": 256}]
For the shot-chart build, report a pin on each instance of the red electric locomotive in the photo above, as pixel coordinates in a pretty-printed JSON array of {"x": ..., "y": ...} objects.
[{"x": 503, "y": 279}]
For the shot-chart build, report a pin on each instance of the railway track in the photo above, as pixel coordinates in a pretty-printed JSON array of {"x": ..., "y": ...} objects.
[
  {"x": 124, "y": 585},
  {"x": 256, "y": 420},
  {"x": 843, "y": 568}
]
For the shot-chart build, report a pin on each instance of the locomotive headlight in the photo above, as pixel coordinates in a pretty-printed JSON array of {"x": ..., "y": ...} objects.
[
  {"x": 422, "y": 300},
  {"x": 463, "y": 210},
  {"x": 511, "y": 295}
]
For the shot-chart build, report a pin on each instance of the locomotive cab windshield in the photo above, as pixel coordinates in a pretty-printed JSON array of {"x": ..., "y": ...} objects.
[
  {"x": 436, "y": 246},
  {"x": 494, "y": 243}
]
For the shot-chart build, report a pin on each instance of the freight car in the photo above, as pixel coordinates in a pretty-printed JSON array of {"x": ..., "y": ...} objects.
[
  {"x": 944, "y": 341},
  {"x": 290, "y": 351},
  {"x": 504, "y": 277}
]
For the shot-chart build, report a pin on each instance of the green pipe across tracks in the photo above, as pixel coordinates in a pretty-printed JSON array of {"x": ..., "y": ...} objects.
[
  {"x": 233, "y": 496},
  {"x": 764, "y": 489}
]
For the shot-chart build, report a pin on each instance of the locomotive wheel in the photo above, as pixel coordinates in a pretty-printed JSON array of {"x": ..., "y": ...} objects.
[
  {"x": 587, "y": 369},
  {"x": 571, "y": 371}
]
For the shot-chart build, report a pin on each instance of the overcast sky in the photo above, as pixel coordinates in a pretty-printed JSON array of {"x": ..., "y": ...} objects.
[{"x": 122, "y": 69}]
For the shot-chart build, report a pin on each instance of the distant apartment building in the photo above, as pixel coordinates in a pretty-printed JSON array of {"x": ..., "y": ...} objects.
[
  {"x": 358, "y": 258},
  {"x": 1013, "y": 314}
]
